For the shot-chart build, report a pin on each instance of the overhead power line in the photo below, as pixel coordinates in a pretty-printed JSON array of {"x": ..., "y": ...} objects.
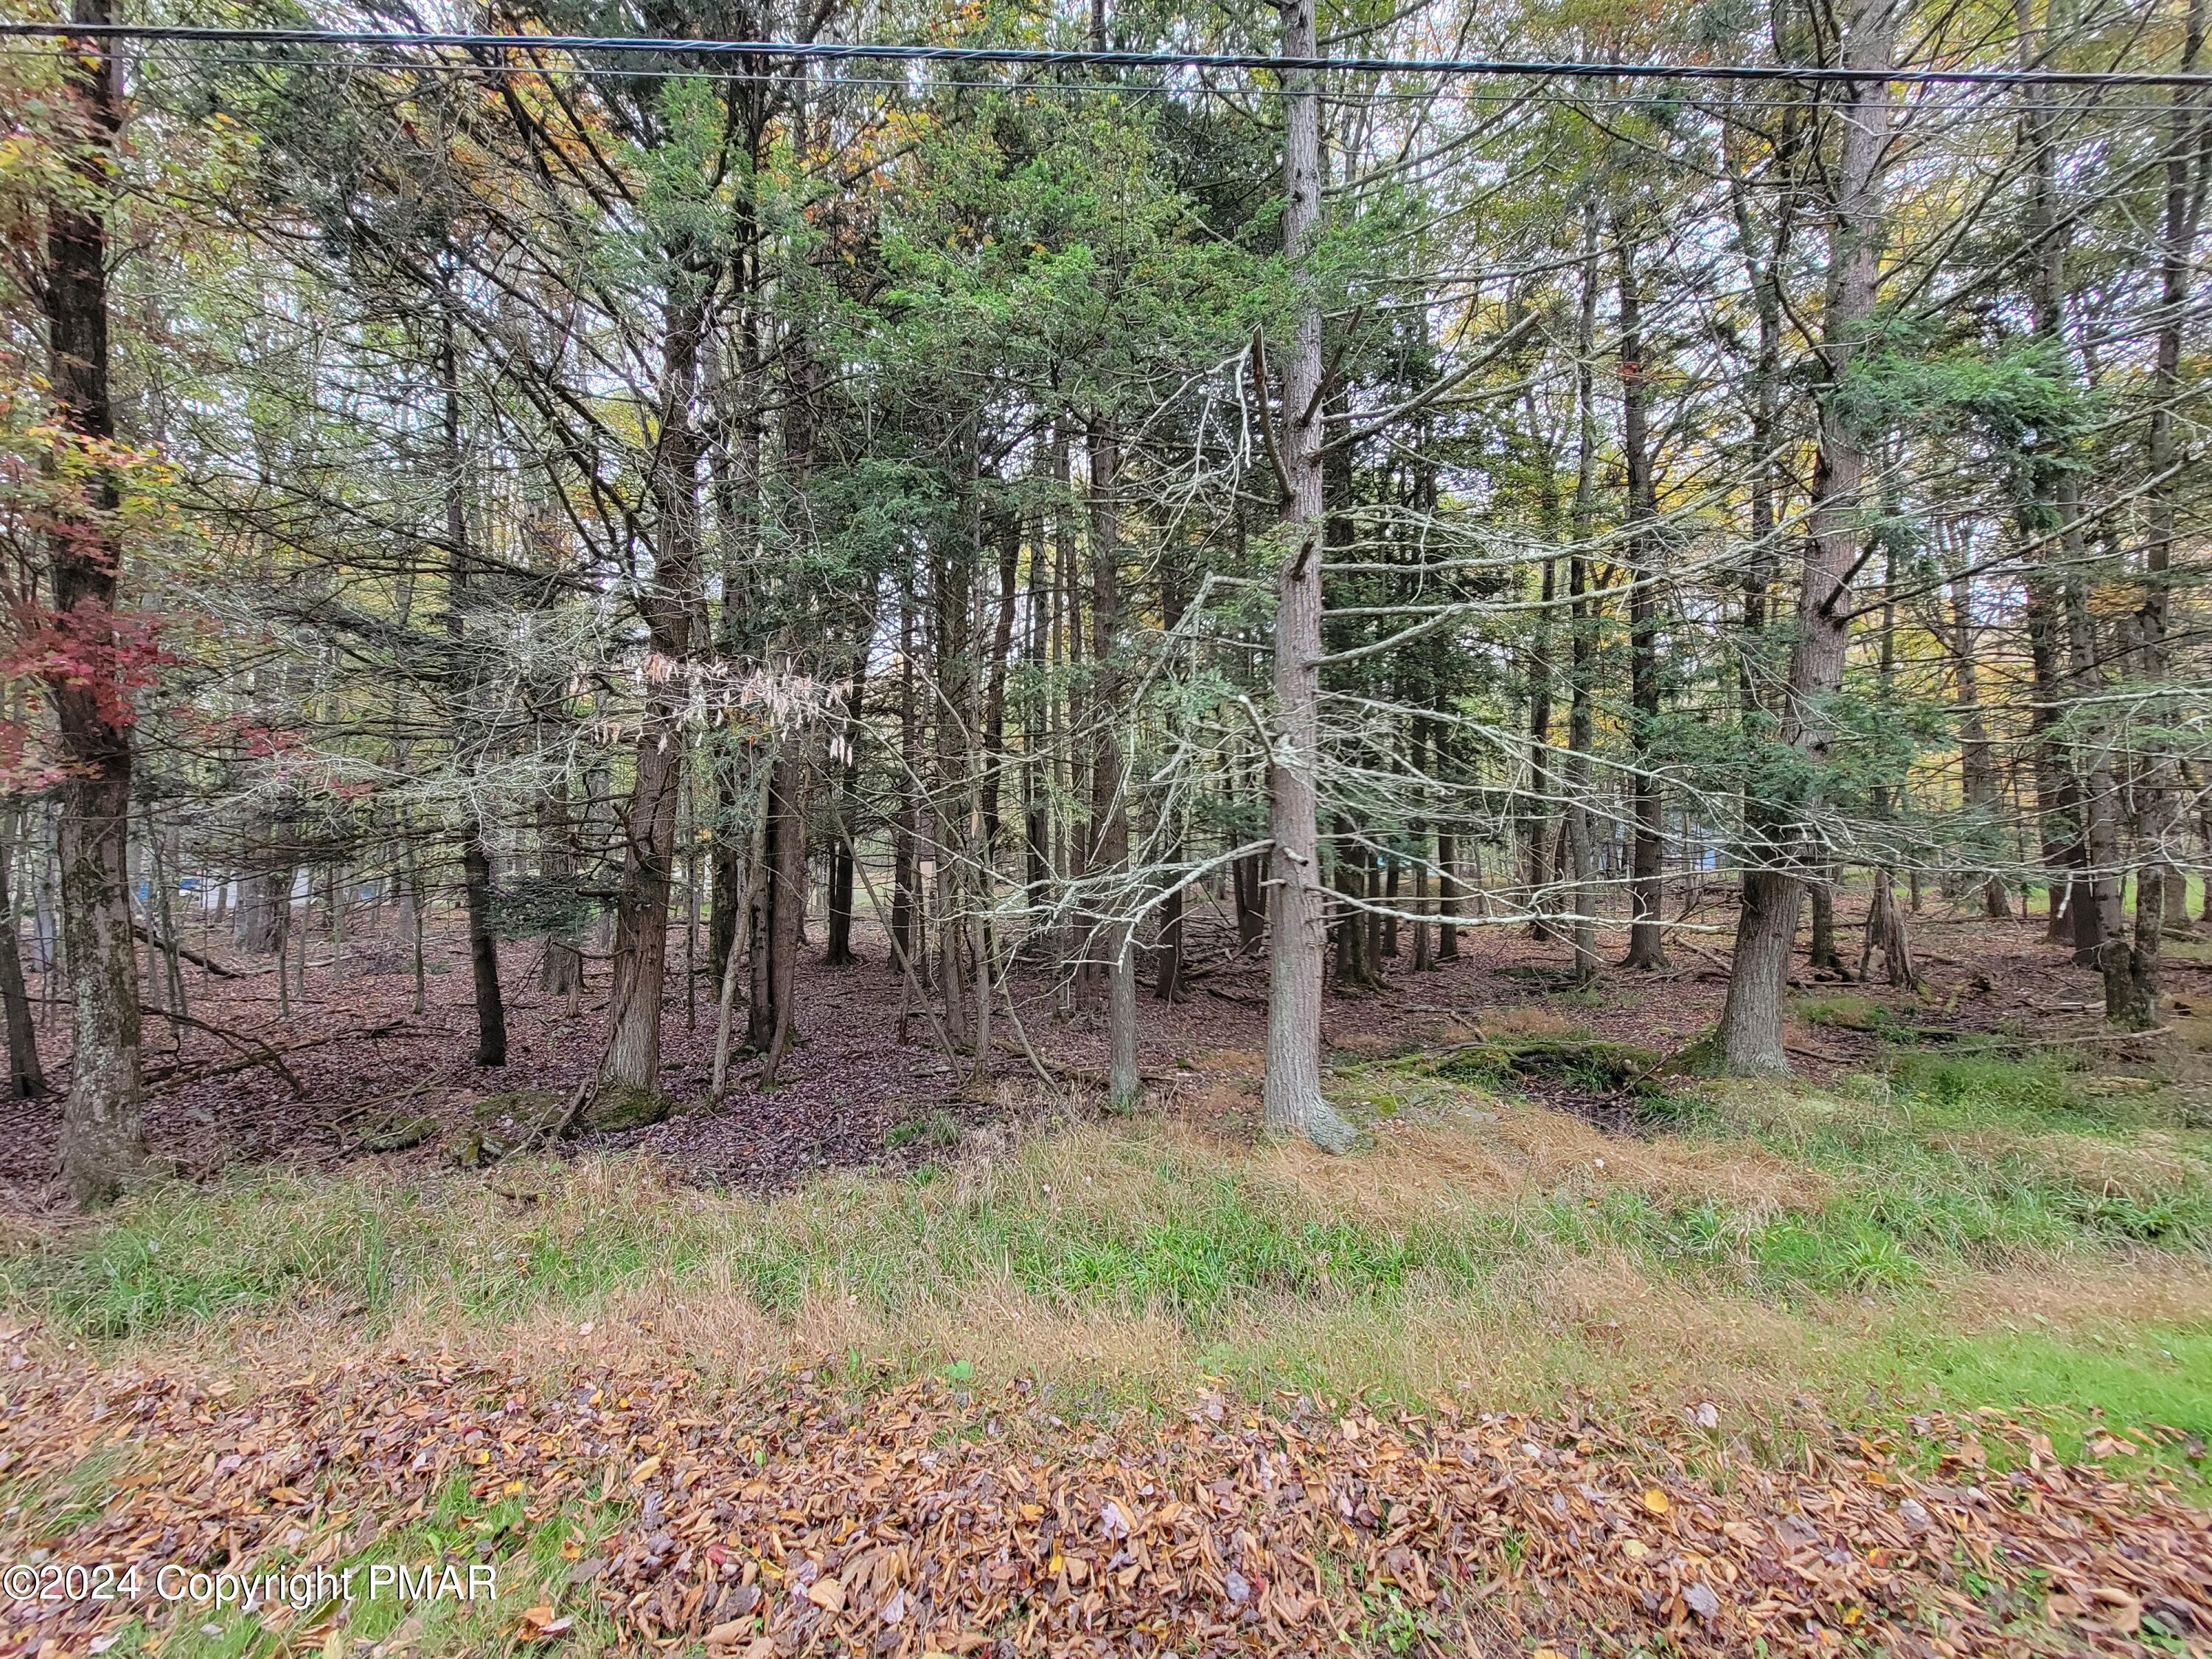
[{"x": 1034, "y": 56}]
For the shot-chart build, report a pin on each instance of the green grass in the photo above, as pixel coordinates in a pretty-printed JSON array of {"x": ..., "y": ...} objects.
[
  {"x": 935, "y": 1128},
  {"x": 1942, "y": 1163},
  {"x": 2155, "y": 1374},
  {"x": 531, "y": 1560},
  {"x": 1914, "y": 1181}
]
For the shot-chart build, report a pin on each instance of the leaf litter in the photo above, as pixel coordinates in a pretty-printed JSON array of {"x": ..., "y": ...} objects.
[{"x": 788, "y": 1513}]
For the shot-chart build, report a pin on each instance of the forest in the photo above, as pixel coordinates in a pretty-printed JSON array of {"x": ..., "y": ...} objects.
[{"x": 904, "y": 828}]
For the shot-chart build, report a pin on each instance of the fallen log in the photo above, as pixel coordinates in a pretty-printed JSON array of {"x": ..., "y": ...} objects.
[
  {"x": 258, "y": 1053},
  {"x": 197, "y": 959},
  {"x": 178, "y": 1077},
  {"x": 1067, "y": 1069}
]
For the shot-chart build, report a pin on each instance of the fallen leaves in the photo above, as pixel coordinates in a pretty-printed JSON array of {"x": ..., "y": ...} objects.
[
  {"x": 541, "y": 1624},
  {"x": 787, "y": 1518}
]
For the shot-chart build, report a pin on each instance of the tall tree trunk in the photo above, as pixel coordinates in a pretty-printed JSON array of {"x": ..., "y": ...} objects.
[
  {"x": 1750, "y": 1037},
  {"x": 1036, "y": 826},
  {"x": 1292, "y": 1101},
  {"x": 1536, "y": 819},
  {"x": 103, "y": 1133},
  {"x": 1250, "y": 877},
  {"x": 1110, "y": 808},
  {"x": 1583, "y": 621},
  {"x": 262, "y": 893},
  {"x": 461, "y": 689},
  {"x": 1354, "y": 971},
  {"x": 1754, "y": 668},
  {"x": 672, "y": 602},
  {"x": 1581, "y": 737},
  {"x": 2057, "y": 797},
  {"x": 1448, "y": 892},
  {"x": 996, "y": 671},
  {"x": 2054, "y": 514},
  {"x": 2161, "y": 896},
  {"x": 953, "y": 624},
  {"x": 1647, "y": 939},
  {"x": 786, "y": 885},
  {"x": 25, "y": 1079},
  {"x": 907, "y": 957},
  {"x": 779, "y": 898},
  {"x": 1821, "y": 953},
  {"x": 1167, "y": 957},
  {"x": 1977, "y": 766},
  {"x": 1082, "y": 828},
  {"x": 733, "y": 401},
  {"x": 1885, "y": 928},
  {"x": 838, "y": 951}
]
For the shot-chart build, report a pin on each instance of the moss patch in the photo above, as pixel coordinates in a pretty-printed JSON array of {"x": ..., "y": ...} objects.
[
  {"x": 619, "y": 1106},
  {"x": 397, "y": 1134}
]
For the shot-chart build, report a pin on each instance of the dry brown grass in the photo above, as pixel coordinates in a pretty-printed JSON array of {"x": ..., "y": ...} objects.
[
  {"x": 2152, "y": 1289},
  {"x": 1544, "y": 1319},
  {"x": 1419, "y": 1167}
]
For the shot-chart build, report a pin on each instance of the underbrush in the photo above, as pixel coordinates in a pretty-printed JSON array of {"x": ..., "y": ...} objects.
[{"x": 1766, "y": 1235}]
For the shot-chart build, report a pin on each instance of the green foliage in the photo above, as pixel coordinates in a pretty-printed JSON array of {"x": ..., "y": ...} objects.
[
  {"x": 542, "y": 907},
  {"x": 936, "y": 1129}
]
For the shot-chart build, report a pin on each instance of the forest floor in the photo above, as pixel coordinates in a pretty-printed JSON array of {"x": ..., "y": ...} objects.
[
  {"x": 357, "y": 1062},
  {"x": 1913, "y": 1353}
]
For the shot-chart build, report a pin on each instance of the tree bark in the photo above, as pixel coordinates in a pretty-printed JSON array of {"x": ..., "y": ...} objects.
[
  {"x": 2053, "y": 514},
  {"x": 2161, "y": 896},
  {"x": 1755, "y": 670},
  {"x": 1249, "y": 874},
  {"x": 461, "y": 690},
  {"x": 1647, "y": 940},
  {"x": 1750, "y": 1035},
  {"x": 1292, "y": 1101},
  {"x": 1821, "y": 953},
  {"x": 905, "y": 958},
  {"x": 787, "y": 910},
  {"x": 1977, "y": 766},
  {"x": 1536, "y": 822},
  {"x": 839, "y": 951},
  {"x": 103, "y": 1140},
  {"x": 27, "y": 1080},
  {"x": 1109, "y": 809},
  {"x": 1583, "y": 622},
  {"x": 672, "y": 603}
]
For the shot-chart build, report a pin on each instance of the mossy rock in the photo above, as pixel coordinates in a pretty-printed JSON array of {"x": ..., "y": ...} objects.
[
  {"x": 1596, "y": 1064},
  {"x": 474, "y": 1148},
  {"x": 397, "y": 1133},
  {"x": 1702, "y": 1056},
  {"x": 526, "y": 1107},
  {"x": 619, "y": 1106}
]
